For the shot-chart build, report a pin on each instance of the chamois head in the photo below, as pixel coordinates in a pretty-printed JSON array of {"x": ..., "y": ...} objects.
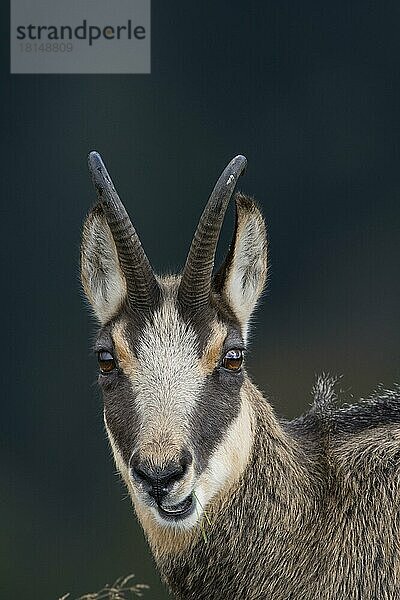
[{"x": 170, "y": 350}]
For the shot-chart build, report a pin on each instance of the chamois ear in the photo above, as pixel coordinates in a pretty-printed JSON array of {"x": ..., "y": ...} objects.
[
  {"x": 101, "y": 275},
  {"x": 243, "y": 274}
]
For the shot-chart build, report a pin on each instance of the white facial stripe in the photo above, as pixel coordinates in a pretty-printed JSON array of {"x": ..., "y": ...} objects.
[{"x": 169, "y": 380}]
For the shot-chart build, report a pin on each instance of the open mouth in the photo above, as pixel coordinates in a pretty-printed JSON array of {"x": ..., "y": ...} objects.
[{"x": 178, "y": 511}]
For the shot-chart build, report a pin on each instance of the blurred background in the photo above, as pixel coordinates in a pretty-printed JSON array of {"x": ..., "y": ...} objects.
[{"x": 310, "y": 93}]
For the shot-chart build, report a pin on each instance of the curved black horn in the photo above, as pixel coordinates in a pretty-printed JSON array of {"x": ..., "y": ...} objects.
[
  {"x": 195, "y": 286},
  {"x": 142, "y": 286}
]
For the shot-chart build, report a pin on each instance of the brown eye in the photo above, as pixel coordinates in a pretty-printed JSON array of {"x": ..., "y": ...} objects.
[
  {"x": 233, "y": 359},
  {"x": 106, "y": 361}
]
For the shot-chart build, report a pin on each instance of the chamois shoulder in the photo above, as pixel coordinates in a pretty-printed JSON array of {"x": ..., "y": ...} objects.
[{"x": 329, "y": 415}]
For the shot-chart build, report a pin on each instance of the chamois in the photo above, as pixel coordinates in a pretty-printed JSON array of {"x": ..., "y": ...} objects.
[{"x": 301, "y": 510}]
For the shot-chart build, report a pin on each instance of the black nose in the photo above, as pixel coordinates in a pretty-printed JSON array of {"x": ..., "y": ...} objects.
[{"x": 159, "y": 479}]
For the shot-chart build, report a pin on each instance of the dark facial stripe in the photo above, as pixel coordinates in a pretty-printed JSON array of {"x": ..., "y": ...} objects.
[
  {"x": 217, "y": 407},
  {"x": 219, "y": 402},
  {"x": 118, "y": 397},
  {"x": 121, "y": 418}
]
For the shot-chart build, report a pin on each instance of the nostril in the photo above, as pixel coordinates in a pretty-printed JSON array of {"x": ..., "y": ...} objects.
[{"x": 140, "y": 474}]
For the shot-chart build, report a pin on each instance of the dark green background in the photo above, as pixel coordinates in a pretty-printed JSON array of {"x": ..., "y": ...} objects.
[{"x": 310, "y": 93}]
